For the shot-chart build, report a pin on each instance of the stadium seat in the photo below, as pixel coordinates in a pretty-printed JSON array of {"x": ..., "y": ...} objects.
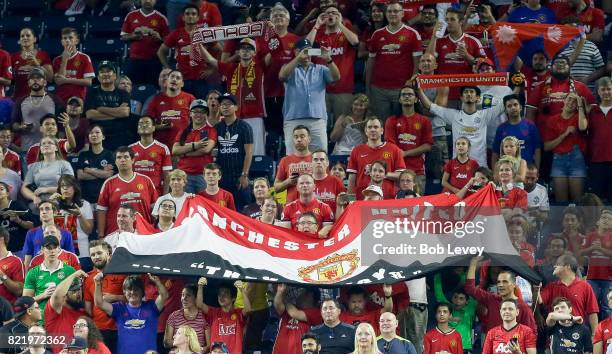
[
  {"x": 24, "y": 7},
  {"x": 53, "y": 24},
  {"x": 140, "y": 93},
  {"x": 263, "y": 166},
  {"x": 274, "y": 145},
  {"x": 10, "y": 26},
  {"x": 11, "y": 44},
  {"x": 104, "y": 48},
  {"x": 52, "y": 47},
  {"x": 335, "y": 158},
  {"x": 104, "y": 26}
]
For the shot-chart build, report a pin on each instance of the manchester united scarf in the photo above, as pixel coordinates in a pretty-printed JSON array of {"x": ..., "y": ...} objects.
[
  {"x": 372, "y": 242},
  {"x": 458, "y": 80}
]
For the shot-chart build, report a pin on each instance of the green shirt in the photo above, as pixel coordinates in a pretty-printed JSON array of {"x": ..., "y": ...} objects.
[
  {"x": 466, "y": 314},
  {"x": 40, "y": 278}
]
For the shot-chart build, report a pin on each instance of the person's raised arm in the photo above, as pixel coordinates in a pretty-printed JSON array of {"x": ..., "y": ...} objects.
[
  {"x": 59, "y": 294},
  {"x": 200, "y": 295},
  {"x": 162, "y": 292},
  {"x": 388, "y": 306},
  {"x": 208, "y": 58},
  {"x": 288, "y": 68},
  {"x": 99, "y": 297},
  {"x": 246, "y": 302}
]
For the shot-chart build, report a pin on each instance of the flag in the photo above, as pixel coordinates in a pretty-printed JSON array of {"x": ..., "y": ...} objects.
[
  {"x": 372, "y": 242},
  {"x": 508, "y": 38}
]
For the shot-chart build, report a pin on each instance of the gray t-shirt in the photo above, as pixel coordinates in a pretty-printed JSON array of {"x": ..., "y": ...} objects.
[
  {"x": 46, "y": 174},
  {"x": 13, "y": 180}
]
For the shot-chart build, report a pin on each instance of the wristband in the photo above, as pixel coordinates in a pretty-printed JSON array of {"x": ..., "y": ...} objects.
[{"x": 329, "y": 61}]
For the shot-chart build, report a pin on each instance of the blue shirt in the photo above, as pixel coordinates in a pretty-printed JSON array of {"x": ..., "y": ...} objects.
[
  {"x": 523, "y": 14},
  {"x": 136, "y": 327},
  {"x": 397, "y": 345},
  {"x": 305, "y": 92},
  {"x": 527, "y": 134},
  {"x": 34, "y": 239}
]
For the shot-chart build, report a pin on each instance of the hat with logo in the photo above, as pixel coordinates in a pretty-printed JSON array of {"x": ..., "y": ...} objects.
[
  {"x": 77, "y": 343},
  {"x": 22, "y": 305},
  {"x": 249, "y": 41},
  {"x": 106, "y": 64},
  {"x": 36, "y": 71},
  {"x": 373, "y": 189},
  {"x": 198, "y": 103},
  {"x": 228, "y": 96},
  {"x": 303, "y": 43}
]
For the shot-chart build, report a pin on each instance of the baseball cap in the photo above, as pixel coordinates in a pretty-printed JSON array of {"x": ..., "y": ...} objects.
[
  {"x": 228, "y": 96},
  {"x": 50, "y": 240},
  {"x": 198, "y": 103},
  {"x": 484, "y": 61},
  {"x": 75, "y": 99},
  {"x": 36, "y": 71},
  {"x": 22, "y": 305},
  {"x": 106, "y": 64},
  {"x": 77, "y": 343},
  {"x": 76, "y": 285},
  {"x": 250, "y": 42},
  {"x": 219, "y": 345},
  {"x": 303, "y": 43},
  {"x": 373, "y": 189}
]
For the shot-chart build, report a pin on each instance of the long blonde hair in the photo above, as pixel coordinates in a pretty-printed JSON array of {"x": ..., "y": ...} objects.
[
  {"x": 192, "y": 338},
  {"x": 373, "y": 345}
]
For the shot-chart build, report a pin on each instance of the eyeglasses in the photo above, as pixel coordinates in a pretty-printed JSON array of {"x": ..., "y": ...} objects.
[
  {"x": 307, "y": 223},
  {"x": 79, "y": 325},
  {"x": 167, "y": 206}
]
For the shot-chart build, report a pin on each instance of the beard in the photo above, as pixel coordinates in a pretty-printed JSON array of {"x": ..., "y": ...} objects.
[
  {"x": 76, "y": 305},
  {"x": 100, "y": 265},
  {"x": 308, "y": 351},
  {"x": 559, "y": 75}
]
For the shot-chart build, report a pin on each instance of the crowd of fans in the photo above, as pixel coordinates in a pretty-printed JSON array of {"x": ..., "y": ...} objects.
[{"x": 332, "y": 96}]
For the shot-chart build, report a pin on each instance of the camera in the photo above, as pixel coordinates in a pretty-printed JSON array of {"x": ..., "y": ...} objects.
[{"x": 64, "y": 205}]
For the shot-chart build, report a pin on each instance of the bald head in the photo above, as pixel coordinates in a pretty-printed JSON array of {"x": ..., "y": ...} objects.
[{"x": 388, "y": 324}]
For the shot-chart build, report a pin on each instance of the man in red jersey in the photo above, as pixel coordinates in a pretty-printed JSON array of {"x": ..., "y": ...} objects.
[
  {"x": 537, "y": 73},
  {"x": 65, "y": 306},
  {"x": 506, "y": 283},
  {"x": 65, "y": 256},
  {"x": 327, "y": 187},
  {"x": 602, "y": 339},
  {"x": 48, "y": 128},
  {"x": 394, "y": 51},
  {"x": 12, "y": 271},
  {"x": 412, "y": 133},
  {"x": 569, "y": 285},
  {"x": 212, "y": 176},
  {"x": 112, "y": 288},
  {"x": 194, "y": 73},
  {"x": 11, "y": 158},
  {"x": 170, "y": 109},
  {"x": 307, "y": 202},
  {"x": 457, "y": 51},
  {"x": 510, "y": 336},
  {"x": 364, "y": 155},
  {"x": 73, "y": 69},
  {"x": 331, "y": 33},
  {"x": 245, "y": 81},
  {"x": 145, "y": 30},
  {"x": 210, "y": 16},
  {"x": 443, "y": 338},
  {"x": 6, "y": 71},
  {"x": 151, "y": 158},
  {"x": 292, "y": 166},
  {"x": 357, "y": 311},
  {"x": 295, "y": 319},
  {"x": 127, "y": 187},
  {"x": 591, "y": 17}
]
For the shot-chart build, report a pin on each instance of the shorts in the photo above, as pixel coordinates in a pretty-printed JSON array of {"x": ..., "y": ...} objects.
[{"x": 570, "y": 165}]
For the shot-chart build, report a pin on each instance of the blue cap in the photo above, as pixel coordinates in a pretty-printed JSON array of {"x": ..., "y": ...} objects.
[{"x": 303, "y": 43}]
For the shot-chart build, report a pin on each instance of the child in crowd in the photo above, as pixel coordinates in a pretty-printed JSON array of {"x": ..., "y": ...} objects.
[
  {"x": 458, "y": 171},
  {"x": 511, "y": 148}
]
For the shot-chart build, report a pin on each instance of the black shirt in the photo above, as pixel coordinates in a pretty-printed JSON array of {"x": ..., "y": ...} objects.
[
  {"x": 570, "y": 339},
  {"x": 118, "y": 131},
  {"x": 17, "y": 232},
  {"x": 336, "y": 340},
  {"x": 230, "y": 157},
  {"x": 10, "y": 330},
  {"x": 90, "y": 189}
]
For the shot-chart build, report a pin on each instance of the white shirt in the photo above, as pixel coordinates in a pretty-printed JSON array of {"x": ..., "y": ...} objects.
[
  {"x": 492, "y": 96},
  {"x": 472, "y": 126},
  {"x": 417, "y": 289},
  {"x": 538, "y": 197}
]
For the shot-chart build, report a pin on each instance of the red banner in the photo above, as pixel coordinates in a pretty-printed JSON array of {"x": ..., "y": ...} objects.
[{"x": 458, "y": 80}]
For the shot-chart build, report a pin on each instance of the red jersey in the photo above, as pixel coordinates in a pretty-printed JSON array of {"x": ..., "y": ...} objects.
[
  {"x": 13, "y": 267},
  {"x": 370, "y": 317},
  {"x": 65, "y": 256},
  {"x": 79, "y": 66},
  {"x": 603, "y": 334},
  {"x": 327, "y": 189},
  {"x": 12, "y": 161},
  {"x": 194, "y": 165},
  {"x": 175, "y": 110},
  {"x": 21, "y": 76},
  {"x": 426, "y": 34},
  {"x": 226, "y": 327},
  {"x": 34, "y": 151},
  {"x": 282, "y": 51},
  {"x": 145, "y": 48},
  {"x": 293, "y": 210},
  {"x": 139, "y": 192},
  {"x": 451, "y": 62},
  {"x": 549, "y": 96},
  {"x": 210, "y": 16},
  {"x": 514, "y": 198},
  {"x": 459, "y": 173},
  {"x": 394, "y": 50},
  {"x": 343, "y": 54},
  {"x": 580, "y": 293},
  {"x": 362, "y": 157},
  {"x": 180, "y": 40},
  {"x": 409, "y": 133},
  {"x": 600, "y": 135},
  {"x": 246, "y": 83},
  {"x": 593, "y": 19},
  {"x": 435, "y": 341},
  {"x": 111, "y": 284},
  {"x": 556, "y": 125},
  {"x": 223, "y": 198},
  {"x": 289, "y": 165},
  {"x": 376, "y": 296},
  {"x": 60, "y": 324},
  {"x": 152, "y": 161},
  {"x": 532, "y": 79},
  {"x": 6, "y": 70},
  {"x": 600, "y": 264},
  {"x": 498, "y": 338},
  {"x": 290, "y": 331}
]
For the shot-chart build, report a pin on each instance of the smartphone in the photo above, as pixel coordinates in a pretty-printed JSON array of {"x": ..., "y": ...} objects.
[
  {"x": 314, "y": 52},
  {"x": 295, "y": 175},
  {"x": 350, "y": 197},
  {"x": 203, "y": 134}
]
